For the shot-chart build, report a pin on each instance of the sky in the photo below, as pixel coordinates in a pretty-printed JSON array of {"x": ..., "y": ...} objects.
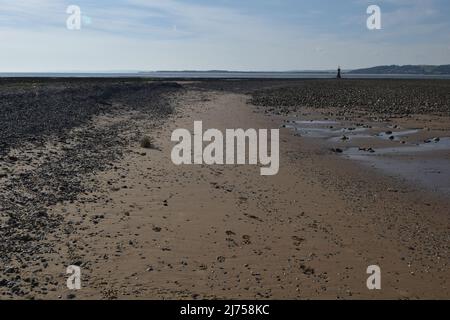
[{"x": 247, "y": 35}]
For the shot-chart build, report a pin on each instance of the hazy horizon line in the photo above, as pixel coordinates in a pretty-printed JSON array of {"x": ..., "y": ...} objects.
[{"x": 210, "y": 70}]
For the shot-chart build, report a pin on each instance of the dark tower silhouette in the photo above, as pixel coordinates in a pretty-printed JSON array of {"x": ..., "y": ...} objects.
[{"x": 339, "y": 73}]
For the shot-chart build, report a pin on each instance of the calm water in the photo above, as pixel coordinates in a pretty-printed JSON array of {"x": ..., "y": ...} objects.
[
  {"x": 223, "y": 75},
  {"x": 424, "y": 163}
]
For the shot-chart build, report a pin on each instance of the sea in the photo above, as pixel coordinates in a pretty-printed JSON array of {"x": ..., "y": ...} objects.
[{"x": 215, "y": 75}]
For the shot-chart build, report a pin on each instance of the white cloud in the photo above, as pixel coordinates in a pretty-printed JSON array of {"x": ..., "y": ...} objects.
[{"x": 140, "y": 35}]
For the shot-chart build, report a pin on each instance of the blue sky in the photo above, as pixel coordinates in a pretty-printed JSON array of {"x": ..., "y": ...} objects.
[{"x": 220, "y": 34}]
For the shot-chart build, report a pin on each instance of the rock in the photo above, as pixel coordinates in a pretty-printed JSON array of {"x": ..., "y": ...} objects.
[{"x": 367, "y": 150}]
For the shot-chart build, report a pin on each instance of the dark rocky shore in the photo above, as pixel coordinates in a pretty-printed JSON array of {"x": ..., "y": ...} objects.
[
  {"x": 382, "y": 96},
  {"x": 33, "y": 108},
  {"x": 35, "y": 113},
  {"x": 386, "y": 97}
]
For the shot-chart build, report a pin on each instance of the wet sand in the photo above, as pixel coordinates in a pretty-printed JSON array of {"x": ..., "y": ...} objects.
[
  {"x": 145, "y": 228},
  {"x": 421, "y": 155}
]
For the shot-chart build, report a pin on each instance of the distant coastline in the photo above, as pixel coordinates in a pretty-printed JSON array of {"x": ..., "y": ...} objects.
[
  {"x": 232, "y": 72},
  {"x": 406, "y": 69},
  {"x": 386, "y": 72}
]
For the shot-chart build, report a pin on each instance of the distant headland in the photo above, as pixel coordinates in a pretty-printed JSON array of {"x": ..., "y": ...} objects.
[{"x": 406, "y": 69}]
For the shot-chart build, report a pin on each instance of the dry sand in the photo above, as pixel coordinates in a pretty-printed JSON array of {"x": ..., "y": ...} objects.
[{"x": 160, "y": 231}]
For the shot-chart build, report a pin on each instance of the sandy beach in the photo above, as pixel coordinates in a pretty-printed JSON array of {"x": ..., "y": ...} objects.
[{"x": 363, "y": 180}]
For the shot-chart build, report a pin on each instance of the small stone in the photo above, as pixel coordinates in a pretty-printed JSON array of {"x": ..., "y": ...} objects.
[{"x": 337, "y": 150}]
